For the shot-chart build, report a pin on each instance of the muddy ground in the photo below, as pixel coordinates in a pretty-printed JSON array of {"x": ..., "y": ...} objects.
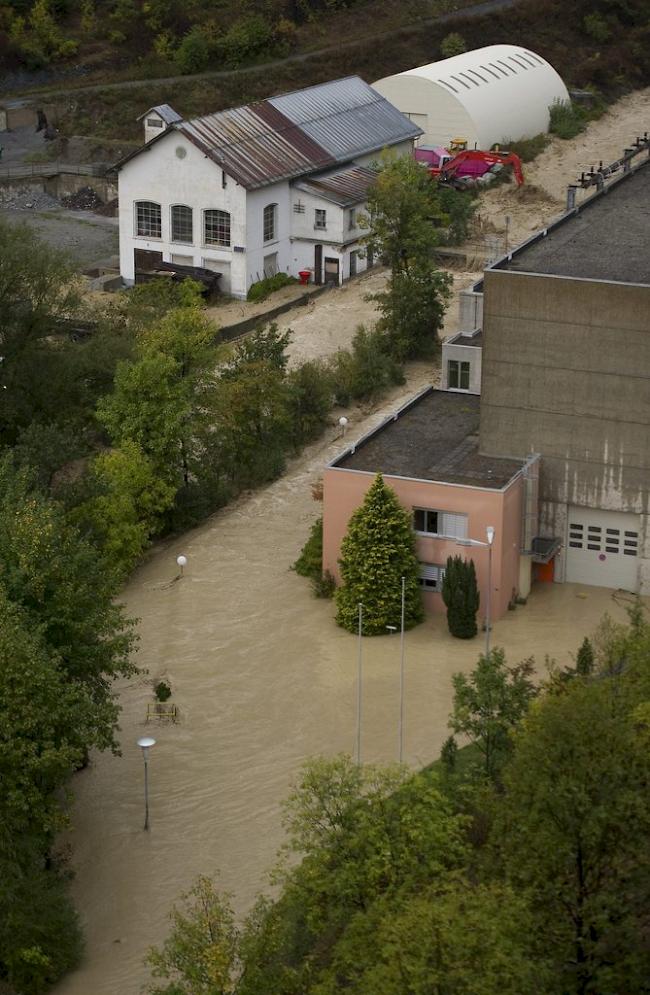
[{"x": 87, "y": 237}]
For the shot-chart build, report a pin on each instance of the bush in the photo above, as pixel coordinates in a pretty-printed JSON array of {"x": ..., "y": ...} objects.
[
  {"x": 311, "y": 393},
  {"x": 162, "y": 691},
  {"x": 566, "y": 119},
  {"x": 324, "y": 586},
  {"x": 245, "y": 39},
  {"x": 597, "y": 27},
  {"x": 263, "y": 288},
  {"x": 193, "y": 53},
  {"x": 310, "y": 561},
  {"x": 459, "y": 208},
  {"x": 368, "y": 370},
  {"x": 453, "y": 44},
  {"x": 460, "y": 595},
  {"x": 526, "y": 148}
]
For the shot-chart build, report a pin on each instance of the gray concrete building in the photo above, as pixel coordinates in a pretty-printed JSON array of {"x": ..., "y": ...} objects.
[{"x": 566, "y": 373}]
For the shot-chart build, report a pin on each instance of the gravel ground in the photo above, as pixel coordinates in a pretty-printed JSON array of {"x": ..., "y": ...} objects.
[{"x": 86, "y": 236}]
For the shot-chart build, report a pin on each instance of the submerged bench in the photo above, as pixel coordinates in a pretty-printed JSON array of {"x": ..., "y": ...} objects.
[{"x": 164, "y": 713}]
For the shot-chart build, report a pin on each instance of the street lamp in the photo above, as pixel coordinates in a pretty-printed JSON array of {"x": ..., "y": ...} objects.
[
  {"x": 489, "y": 532},
  {"x": 145, "y": 743},
  {"x": 182, "y": 562},
  {"x": 359, "y": 677}
]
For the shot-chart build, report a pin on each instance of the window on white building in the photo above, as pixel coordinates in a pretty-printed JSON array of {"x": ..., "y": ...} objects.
[
  {"x": 352, "y": 219},
  {"x": 154, "y": 122},
  {"x": 270, "y": 222},
  {"x": 148, "y": 223},
  {"x": 431, "y": 577},
  {"x": 320, "y": 220},
  {"x": 216, "y": 228},
  {"x": 458, "y": 374},
  {"x": 439, "y": 523},
  {"x": 182, "y": 226}
]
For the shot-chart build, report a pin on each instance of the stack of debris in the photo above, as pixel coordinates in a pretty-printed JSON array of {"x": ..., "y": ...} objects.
[{"x": 85, "y": 199}]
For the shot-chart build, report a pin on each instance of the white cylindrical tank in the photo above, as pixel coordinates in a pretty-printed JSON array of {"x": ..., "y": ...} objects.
[{"x": 495, "y": 94}]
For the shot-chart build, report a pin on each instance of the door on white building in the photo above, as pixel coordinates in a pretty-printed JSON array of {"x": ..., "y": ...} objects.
[
  {"x": 331, "y": 270},
  {"x": 602, "y": 548},
  {"x": 219, "y": 266},
  {"x": 271, "y": 264}
]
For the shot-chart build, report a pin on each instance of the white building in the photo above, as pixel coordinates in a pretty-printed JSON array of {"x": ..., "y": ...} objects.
[
  {"x": 277, "y": 185},
  {"x": 500, "y": 93}
]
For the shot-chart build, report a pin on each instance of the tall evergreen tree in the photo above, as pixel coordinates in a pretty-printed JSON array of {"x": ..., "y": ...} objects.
[
  {"x": 461, "y": 596},
  {"x": 585, "y": 658},
  {"x": 378, "y": 550}
]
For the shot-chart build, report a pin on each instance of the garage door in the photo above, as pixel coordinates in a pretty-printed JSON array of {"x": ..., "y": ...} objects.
[{"x": 602, "y": 548}]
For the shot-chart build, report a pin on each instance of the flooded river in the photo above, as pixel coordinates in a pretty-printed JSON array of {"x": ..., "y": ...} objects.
[{"x": 263, "y": 678}]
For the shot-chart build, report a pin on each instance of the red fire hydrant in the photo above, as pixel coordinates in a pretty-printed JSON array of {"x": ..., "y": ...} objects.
[{"x": 304, "y": 275}]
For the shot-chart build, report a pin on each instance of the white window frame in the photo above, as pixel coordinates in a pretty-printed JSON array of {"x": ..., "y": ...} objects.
[
  {"x": 137, "y": 205},
  {"x": 459, "y": 364},
  {"x": 430, "y": 577},
  {"x": 221, "y": 242},
  {"x": 320, "y": 219},
  {"x": 172, "y": 238},
  {"x": 449, "y": 524},
  {"x": 154, "y": 122},
  {"x": 270, "y": 223}
]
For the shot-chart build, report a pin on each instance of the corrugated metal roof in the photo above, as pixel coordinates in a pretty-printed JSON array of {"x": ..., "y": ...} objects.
[
  {"x": 344, "y": 187},
  {"x": 299, "y": 133},
  {"x": 257, "y": 145},
  {"x": 346, "y": 117},
  {"x": 167, "y": 113}
]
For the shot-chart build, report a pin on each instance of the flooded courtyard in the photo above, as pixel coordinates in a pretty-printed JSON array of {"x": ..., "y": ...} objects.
[{"x": 263, "y": 678}]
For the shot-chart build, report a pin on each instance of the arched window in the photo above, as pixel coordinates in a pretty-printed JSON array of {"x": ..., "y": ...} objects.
[
  {"x": 216, "y": 228},
  {"x": 148, "y": 219},
  {"x": 182, "y": 228},
  {"x": 270, "y": 222}
]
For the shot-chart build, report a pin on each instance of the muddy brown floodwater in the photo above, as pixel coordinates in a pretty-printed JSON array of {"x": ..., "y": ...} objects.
[{"x": 263, "y": 679}]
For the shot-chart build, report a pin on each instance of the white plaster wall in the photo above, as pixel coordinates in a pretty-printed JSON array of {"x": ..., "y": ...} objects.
[
  {"x": 158, "y": 175},
  {"x": 154, "y": 132},
  {"x": 256, "y": 247},
  {"x": 470, "y": 310},
  {"x": 303, "y": 225}
]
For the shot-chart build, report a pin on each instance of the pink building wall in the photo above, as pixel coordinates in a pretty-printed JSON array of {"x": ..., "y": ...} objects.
[{"x": 344, "y": 491}]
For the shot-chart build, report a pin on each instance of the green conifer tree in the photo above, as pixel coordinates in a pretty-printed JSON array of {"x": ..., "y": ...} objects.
[
  {"x": 461, "y": 596},
  {"x": 585, "y": 659},
  {"x": 378, "y": 550}
]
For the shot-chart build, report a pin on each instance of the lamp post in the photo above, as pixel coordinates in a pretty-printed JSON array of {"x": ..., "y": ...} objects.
[
  {"x": 145, "y": 744},
  {"x": 182, "y": 562},
  {"x": 359, "y": 677},
  {"x": 489, "y": 532}
]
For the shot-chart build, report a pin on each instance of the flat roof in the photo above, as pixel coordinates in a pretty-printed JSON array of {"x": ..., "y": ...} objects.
[
  {"x": 605, "y": 238},
  {"x": 433, "y": 437},
  {"x": 467, "y": 338}
]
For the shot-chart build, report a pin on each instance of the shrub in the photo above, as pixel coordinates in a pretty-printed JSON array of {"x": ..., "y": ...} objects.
[
  {"x": 365, "y": 372},
  {"x": 311, "y": 394},
  {"x": 566, "y": 119},
  {"x": 453, "y": 44},
  {"x": 460, "y": 595},
  {"x": 162, "y": 691},
  {"x": 597, "y": 27},
  {"x": 263, "y": 288},
  {"x": 310, "y": 561},
  {"x": 526, "y": 148},
  {"x": 459, "y": 208},
  {"x": 193, "y": 53},
  {"x": 324, "y": 586},
  {"x": 585, "y": 658},
  {"x": 245, "y": 39}
]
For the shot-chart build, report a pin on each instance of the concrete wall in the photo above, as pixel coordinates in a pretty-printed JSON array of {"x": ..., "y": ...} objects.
[
  {"x": 470, "y": 307},
  {"x": 566, "y": 365},
  {"x": 462, "y": 354},
  {"x": 344, "y": 491}
]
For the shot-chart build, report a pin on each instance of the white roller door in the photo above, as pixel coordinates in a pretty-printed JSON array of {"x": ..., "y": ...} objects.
[{"x": 602, "y": 548}]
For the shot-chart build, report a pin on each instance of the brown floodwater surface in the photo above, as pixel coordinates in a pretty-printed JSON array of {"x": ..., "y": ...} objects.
[{"x": 263, "y": 678}]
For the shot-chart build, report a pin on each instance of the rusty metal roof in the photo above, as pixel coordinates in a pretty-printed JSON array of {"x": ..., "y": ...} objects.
[
  {"x": 299, "y": 133},
  {"x": 344, "y": 186},
  {"x": 256, "y": 144}
]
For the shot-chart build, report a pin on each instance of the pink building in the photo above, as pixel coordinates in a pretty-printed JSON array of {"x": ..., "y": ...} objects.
[{"x": 428, "y": 453}]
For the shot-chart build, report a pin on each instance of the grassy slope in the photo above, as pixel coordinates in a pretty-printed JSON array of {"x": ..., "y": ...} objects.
[{"x": 552, "y": 28}]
